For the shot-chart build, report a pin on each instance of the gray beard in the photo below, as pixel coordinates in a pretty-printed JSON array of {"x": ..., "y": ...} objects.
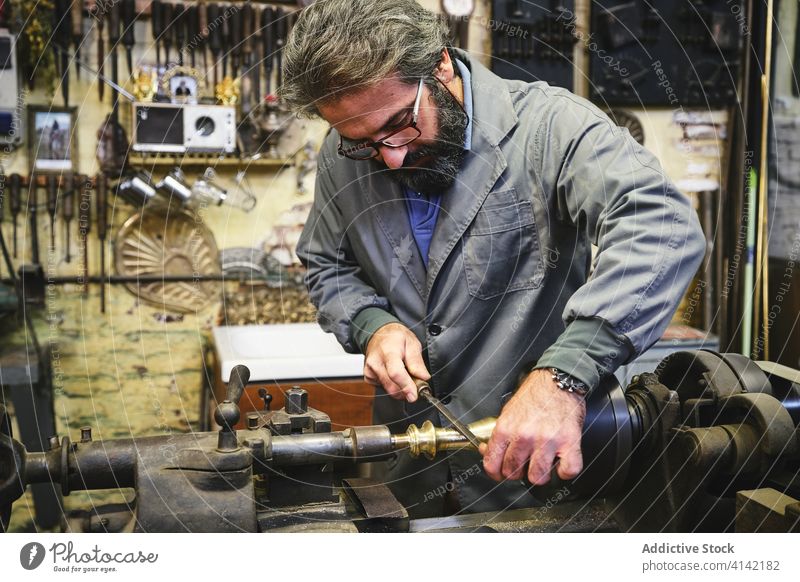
[{"x": 447, "y": 152}]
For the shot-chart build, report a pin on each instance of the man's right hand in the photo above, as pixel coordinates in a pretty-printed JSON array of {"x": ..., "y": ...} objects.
[{"x": 393, "y": 355}]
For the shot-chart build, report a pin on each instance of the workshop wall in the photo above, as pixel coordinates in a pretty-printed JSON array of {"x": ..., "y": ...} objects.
[{"x": 138, "y": 370}]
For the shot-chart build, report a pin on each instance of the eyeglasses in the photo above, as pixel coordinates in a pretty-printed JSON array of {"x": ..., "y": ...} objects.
[{"x": 403, "y": 136}]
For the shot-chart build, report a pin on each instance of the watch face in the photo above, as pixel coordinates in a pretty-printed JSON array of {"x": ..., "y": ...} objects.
[{"x": 458, "y": 7}]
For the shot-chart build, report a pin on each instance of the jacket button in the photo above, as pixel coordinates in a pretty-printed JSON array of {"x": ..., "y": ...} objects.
[
  {"x": 446, "y": 400},
  {"x": 434, "y": 329}
]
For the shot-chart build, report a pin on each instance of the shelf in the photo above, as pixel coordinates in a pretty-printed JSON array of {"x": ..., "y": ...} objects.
[{"x": 192, "y": 160}]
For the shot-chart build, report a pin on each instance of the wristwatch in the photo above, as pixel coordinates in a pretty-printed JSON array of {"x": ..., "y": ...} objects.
[{"x": 568, "y": 383}]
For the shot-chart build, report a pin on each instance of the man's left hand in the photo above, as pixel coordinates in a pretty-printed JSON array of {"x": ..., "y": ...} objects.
[{"x": 539, "y": 424}]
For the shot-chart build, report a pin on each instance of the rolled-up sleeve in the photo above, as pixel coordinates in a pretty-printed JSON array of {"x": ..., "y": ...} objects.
[{"x": 649, "y": 239}]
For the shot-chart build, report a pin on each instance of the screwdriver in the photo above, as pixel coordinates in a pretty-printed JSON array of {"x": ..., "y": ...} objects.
[
  {"x": 214, "y": 38},
  {"x": 192, "y": 35},
  {"x": 84, "y": 227},
  {"x": 15, "y": 203},
  {"x": 157, "y": 30},
  {"x": 99, "y": 18},
  {"x": 77, "y": 31},
  {"x": 179, "y": 28},
  {"x": 52, "y": 207},
  {"x": 235, "y": 41},
  {"x": 68, "y": 211},
  {"x": 33, "y": 202},
  {"x": 128, "y": 26},
  {"x": 166, "y": 23},
  {"x": 267, "y": 20},
  {"x": 102, "y": 217}
]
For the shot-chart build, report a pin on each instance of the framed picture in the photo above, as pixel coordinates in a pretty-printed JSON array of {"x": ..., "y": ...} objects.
[
  {"x": 181, "y": 84},
  {"x": 51, "y": 139}
]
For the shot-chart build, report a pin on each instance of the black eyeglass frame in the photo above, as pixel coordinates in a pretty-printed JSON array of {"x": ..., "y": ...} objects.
[{"x": 374, "y": 145}]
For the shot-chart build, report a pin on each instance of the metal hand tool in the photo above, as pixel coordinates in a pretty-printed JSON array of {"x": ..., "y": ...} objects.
[
  {"x": 76, "y": 9},
  {"x": 113, "y": 39},
  {"x": 15, "y": 202},
  {"x": 167, "y": 11},
  {"x": 424, "y": 390},
  {"x": 128, "y": 14},
  {"x": 99, "y": 17},
  {"x": 267, "y": 44},
  {"x": 33, "y": 202},
  {"x": 192, "y": 32},
  {"x": 62, "y": 30},
  {"x": 202, "y": 24},
  {"x": 179, "y": 29},
  {"x": 52, "y": 207},
  {"x": 279, "y": 40},
  {"x": 84, "y": 228},
  {"x": 68, "y": 212},
  {"x": 102, "y": 218},
  {"x": 157, "y": 29},
  {"x": 235, "y": 45},
  {"x": 214, "y": 38}
]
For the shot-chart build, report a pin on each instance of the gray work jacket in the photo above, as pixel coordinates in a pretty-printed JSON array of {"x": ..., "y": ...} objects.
[{"x": 548, "y": 175}]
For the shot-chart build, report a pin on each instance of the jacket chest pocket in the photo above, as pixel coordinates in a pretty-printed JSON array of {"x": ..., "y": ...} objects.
[{"x": 501, "y": 247}]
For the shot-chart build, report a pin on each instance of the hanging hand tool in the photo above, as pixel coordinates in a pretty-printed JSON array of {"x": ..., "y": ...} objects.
[
  {"x": 202, "y": 25},
  {"x": 84, "y": 228},
  {"x": 167, "y": 12},
  {"x": 254, "y": 65},
  {"x": 52, "y": 207},
  {"x": 235, "y": 39},
  {"x": 280, "y": 39},
  {"x": 68, "y": 211},
  {"x": 128, "y": 11},
  {"x": 76, "y": 9},
  {"x": 102, "y": 217},
  {"x": 157, "y": 30},
  {"x": 192, "y": 32},
  {"x": 33, "y": 202},
  {"x": 99, "y": 18},
  {"x": 179, "y": 30},
  {"x": 214, "y": 38},
  {"x": 225, "y": 37},
  {"x": 113, "y": 39},
  {"x": 62, "y": 30},
  {"x": 15, "y": 202},
  {"x": 267, "y": 44}
]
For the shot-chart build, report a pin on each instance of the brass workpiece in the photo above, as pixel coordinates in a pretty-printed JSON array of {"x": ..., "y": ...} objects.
[{"x": 429, "y": 440}]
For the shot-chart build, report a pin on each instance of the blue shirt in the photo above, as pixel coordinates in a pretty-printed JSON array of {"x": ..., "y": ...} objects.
[{"x": 423, "y": 211}]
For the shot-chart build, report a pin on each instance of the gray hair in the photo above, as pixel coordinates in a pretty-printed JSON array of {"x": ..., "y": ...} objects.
[{"x": 340, "y": 46}]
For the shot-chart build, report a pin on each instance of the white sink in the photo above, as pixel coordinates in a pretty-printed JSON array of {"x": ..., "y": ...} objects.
[{"x": 290, "y": 351}]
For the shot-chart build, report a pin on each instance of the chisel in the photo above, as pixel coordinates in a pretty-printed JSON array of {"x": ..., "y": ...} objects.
[
  {"x": 77, "y": 30},
  {"x": 99, "y": 18},
  {"x": 192, "y": 32},
  {"x": 52, "y": 207},
  {"x": 157, "y": 30},
  {"x": 235, "y": 41},
  {"x": 84, "y": 227},
  {"x": 68, "y": 212},
  {"x": 179, "y": 28},
  {"x": 166, "y": 23},
  {"x": 113, "y": 39},
  {"x": 102, "y": 217},
  {"x": 267, "y": 35},
  {"x": 33, "y": 202},
  {"x": 214, "y": 38},
  {"x": 15, "y": 202},
  {"x": 128, "y": 13}
]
